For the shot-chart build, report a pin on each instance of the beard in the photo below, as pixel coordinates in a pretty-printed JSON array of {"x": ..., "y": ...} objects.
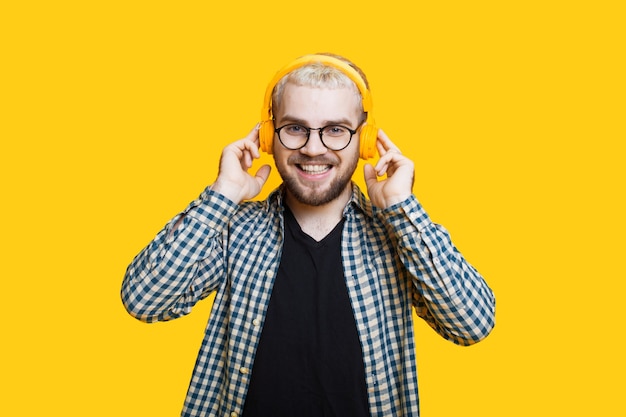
[{"x": 314, "y": 196}]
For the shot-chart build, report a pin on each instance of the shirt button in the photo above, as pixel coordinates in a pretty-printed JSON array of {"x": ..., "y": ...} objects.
[
  {"x": 233, "y": 414},
  {"x": 256, "y": 322},
  {"x": 244, "y": 371}
]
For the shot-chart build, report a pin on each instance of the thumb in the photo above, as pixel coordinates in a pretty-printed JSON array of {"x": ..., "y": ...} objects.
[
  {"x": 262, "y": 175},
  {"x": 370, "y": 175}
]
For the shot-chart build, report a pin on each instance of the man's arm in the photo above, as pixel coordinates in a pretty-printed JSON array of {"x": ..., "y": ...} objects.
[
  {"x": 450, "y": 294},
  {"x": 182, "y": 265},
  {"x": 185, "y": 262}
]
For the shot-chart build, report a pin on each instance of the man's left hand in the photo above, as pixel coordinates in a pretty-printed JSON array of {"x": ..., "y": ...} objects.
[{"x": 400, "y": 170}]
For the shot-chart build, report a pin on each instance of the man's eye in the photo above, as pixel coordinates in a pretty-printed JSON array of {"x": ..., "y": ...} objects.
[
  {"x": 335, "y": 130},
  {"x": 295, "y": 129}
]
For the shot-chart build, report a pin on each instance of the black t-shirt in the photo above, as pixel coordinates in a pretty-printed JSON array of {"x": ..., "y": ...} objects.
[{"x": 309, "y": 360}]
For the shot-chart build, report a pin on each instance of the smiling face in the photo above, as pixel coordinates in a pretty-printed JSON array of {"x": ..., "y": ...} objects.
[{"x": 315, "y": 175}]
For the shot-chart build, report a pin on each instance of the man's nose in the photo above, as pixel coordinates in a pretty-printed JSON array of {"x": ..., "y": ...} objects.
[{"x": 314, "y": 146}]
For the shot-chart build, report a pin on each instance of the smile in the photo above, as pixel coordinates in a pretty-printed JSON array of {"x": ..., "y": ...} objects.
[{"x": 314, "y": 169}]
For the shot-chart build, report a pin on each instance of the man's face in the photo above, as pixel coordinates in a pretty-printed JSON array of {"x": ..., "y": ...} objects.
[{"x": 315, "y": 175}]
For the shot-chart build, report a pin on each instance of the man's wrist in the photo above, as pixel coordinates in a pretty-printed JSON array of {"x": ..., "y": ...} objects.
[
  {"x": 230, "y": 192},
  {"x": 393, "y": 200}
]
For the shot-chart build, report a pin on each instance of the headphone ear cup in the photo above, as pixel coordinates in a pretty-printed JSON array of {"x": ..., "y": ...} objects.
[
  {"x": 368, "y": 138},
  {"x": 266, "y": 136}
]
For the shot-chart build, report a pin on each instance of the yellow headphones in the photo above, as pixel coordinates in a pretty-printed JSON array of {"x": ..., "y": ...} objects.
[{"x": 369, "y": 131}]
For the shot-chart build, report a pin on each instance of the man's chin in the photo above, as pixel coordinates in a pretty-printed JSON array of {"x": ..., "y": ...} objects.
[{"x": 314, "y": 196}]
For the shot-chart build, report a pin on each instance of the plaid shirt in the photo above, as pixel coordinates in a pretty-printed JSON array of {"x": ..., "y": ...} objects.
[{"x": 393, "y": 260}]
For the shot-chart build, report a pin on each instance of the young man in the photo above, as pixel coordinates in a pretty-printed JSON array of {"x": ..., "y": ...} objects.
[{"x": 316, "y": 284}]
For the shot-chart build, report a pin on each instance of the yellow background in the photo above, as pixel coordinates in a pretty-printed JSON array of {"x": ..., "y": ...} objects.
[{"x": 113, "y": 115}]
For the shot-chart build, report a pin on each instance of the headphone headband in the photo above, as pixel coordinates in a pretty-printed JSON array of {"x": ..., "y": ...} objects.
[{"x": 330, "y": 61}]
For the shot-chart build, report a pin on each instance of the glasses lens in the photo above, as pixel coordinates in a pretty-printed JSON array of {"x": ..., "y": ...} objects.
[
  {"x": 293, "y": 136},
  {"x": 336, "y": 137}
]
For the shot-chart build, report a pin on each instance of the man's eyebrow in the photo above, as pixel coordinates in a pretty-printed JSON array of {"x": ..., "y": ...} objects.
[{"x": 292, "y": 119}]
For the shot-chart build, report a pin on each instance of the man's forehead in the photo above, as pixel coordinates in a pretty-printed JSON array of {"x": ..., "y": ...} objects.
[{"x": 303, "y": 98}]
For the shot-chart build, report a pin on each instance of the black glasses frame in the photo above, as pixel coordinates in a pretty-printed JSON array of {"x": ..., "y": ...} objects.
[{"x": 308, "y": 135}]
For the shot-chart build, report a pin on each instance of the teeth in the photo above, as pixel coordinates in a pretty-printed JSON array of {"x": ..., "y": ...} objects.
[{"x": 314, "y": 169}]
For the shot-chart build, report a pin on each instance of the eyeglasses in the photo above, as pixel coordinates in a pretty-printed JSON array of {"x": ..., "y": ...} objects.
[{"x": 333, "y": 137}]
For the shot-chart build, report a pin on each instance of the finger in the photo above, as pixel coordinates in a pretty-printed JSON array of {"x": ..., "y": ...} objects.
[
  {"x": 249, "y": 148},
  {"x": 246, "y": 160},
  {"x": 262, "y": 175},
  {"x": 383, "y": 163},
  {"x": 370, "y": 175},
  {"x": 388, "y": 161},
  {"x": 385, "y": 144},
  {"x": 253, "y": 137},
  {"x": 255, "y": 130}
]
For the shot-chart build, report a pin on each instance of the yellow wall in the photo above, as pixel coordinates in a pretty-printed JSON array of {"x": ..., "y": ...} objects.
[{"x": 113, "y": 115}]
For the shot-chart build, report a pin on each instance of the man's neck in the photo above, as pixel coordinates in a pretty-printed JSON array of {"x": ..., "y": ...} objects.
[{"x": 319, "y": 221}]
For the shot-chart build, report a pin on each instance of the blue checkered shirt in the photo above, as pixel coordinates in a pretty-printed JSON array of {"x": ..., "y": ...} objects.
[{"x": 394, "y": 260}]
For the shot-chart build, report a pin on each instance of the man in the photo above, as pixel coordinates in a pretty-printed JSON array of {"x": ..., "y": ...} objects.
[{"x": 316, "y": 284}]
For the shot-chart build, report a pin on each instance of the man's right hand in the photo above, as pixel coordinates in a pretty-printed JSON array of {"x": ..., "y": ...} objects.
[{"x": 233, "y": 180}]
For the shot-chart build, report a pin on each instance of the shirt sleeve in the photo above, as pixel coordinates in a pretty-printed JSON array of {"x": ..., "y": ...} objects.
[
  {"x": 451, "y": 296},
  {"x": 182, "y": 265}
]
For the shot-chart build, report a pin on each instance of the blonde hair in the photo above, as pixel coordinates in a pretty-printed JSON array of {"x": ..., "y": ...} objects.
[{"x": 318, "y": 75}]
